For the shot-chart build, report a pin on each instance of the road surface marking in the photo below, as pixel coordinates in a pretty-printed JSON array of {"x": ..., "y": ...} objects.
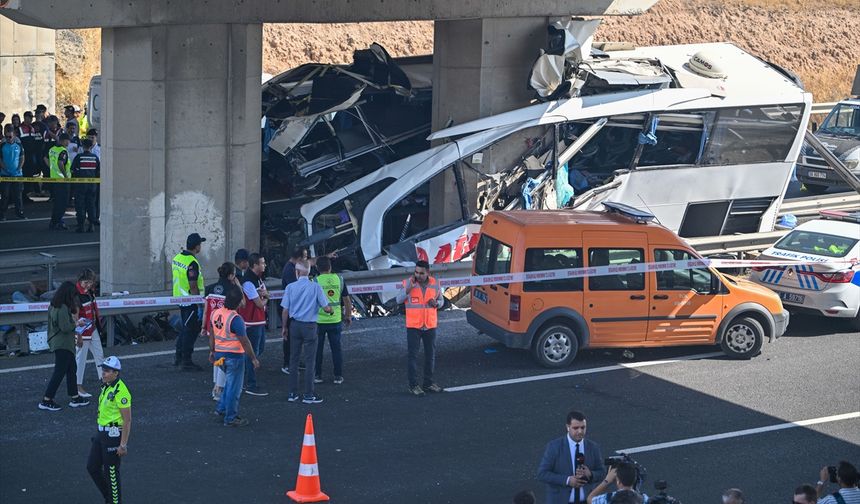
[
  {"x": 745, "y": 432},
  {"x": 198, "y": 349},
  {"x": 578, "y": 372},
  {"x": 44, "y": 248}
]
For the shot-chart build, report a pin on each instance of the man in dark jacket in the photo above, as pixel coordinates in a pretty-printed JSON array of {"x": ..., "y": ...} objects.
[{"x": 571, "y": 464}]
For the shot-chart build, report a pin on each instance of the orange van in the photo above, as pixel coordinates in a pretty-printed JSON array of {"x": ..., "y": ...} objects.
[{"x": 556, "y": 318}]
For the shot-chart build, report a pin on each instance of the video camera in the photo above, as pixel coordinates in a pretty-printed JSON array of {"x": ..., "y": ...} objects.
[
  {"x": 641, "y": 473},
  {"x": 662, "y": 497}
]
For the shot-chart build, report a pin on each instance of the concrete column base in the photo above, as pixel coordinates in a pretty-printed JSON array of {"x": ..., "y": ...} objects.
[
  {"x": 180, "y": 148},
  {"x": 481, "y": 68}
]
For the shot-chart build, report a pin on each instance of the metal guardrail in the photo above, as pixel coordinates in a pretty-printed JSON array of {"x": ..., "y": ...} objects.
[
  {"x": 822, "y": 108},
  {"x": 811, "y": 205}
]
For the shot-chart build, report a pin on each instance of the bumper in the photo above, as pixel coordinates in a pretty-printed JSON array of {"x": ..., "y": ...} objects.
[
  {"x": 780, "y": 323},
  {"x": 507, "y": 338},
  {"x": 832, "y": 179}
]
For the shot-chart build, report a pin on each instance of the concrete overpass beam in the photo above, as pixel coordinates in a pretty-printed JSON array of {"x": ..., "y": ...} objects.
[
  {"x": 27, "y": 61},
  {"x": 481, "y": 67},
  {"x": 181, "y": 148}
]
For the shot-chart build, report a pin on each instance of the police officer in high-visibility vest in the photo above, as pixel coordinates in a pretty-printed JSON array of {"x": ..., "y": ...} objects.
[
  {"x": 110, "y": 443},
  {"x": 58, "y": 161},
  {"x": 422, "y": 296},
  {"x": 331, "y": 324},
  {"x": 188, "y": 281}
]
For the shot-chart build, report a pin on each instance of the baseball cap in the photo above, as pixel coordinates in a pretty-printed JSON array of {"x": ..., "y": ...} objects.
[
  {"x": 241, "y": 255},
  {"x": 72, "y": 107},
  {"x": 41, "y": 107},
  {"x": 193, "y": 240},
  {"x": 112, "y": 362}
]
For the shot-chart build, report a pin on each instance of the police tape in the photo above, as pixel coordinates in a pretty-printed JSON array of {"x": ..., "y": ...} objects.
[
  {"x": 472, "y": 281},
  {"x": 80, "y": 180}
]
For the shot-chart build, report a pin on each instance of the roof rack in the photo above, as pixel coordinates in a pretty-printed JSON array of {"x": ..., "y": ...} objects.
[
  {"x": 640, "y": 216},
  {"x": 840, "y": 215}
]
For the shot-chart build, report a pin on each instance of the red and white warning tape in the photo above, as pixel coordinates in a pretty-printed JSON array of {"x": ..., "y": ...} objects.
[{"x": 532, "y": 276}]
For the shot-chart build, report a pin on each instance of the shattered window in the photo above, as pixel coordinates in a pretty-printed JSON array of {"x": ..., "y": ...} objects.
[
  {"x": 553, "y": 259},
  {"x": 753, "y": 134},
  {"x": 612, "y": 148},
  {"x": 408, "y": 217},
  {"x": 339, "y": 224},
  {"x": 680, "y": 139}
]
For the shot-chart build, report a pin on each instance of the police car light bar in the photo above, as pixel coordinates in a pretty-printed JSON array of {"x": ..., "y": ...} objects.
[
  {"x": 640, "y": 216},
  {"x": 850, "y": 216}
]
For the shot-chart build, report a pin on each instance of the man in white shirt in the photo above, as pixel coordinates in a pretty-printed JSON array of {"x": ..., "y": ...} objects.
[{"x": 847, "y": 478}]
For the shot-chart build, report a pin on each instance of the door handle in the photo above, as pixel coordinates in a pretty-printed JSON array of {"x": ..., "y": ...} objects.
[
  {"x": 661, "y": 296},
  {"x": 637, "y": 297}
]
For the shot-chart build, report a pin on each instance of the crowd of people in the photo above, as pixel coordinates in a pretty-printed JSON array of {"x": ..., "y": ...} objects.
[
  {"x": 573, "y": 470},
  {"x": 38, "y": 145}
]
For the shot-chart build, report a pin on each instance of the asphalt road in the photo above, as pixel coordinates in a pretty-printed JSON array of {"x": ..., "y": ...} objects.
[{"x": 377, "y": 444}]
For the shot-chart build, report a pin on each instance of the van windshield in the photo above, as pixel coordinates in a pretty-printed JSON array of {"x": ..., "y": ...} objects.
[
  {"x": 808, "y": 242},
  {"x": 843, "y": 120}
]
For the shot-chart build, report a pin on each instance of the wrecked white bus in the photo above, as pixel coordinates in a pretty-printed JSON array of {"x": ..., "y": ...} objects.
[{"x": 704, "y": 136}]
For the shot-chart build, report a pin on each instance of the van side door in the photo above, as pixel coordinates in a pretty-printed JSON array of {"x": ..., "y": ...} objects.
[
  {"x": 616, "y": 305},
  {"x": 492, "y": 301},
  {"x": 683, "y": 307}
]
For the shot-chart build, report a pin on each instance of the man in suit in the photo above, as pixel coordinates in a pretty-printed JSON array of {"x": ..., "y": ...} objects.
[{"x": 571, "y": 464}]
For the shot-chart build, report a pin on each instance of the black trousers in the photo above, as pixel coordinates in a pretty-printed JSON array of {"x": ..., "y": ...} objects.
[
  {"x": 103, "y": 466},
  {"x": 414, "y": 337},
  {"x": 85, "y": 203},
  {"x": 191, "y": 326},
  {"x": 64, "y": 366},
  {"x": 59, "y": 199},
  {"x": 12, "y": 191}
]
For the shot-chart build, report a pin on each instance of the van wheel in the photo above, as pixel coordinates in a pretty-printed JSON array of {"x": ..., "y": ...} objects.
[
  {"x": 743, "y": 338},
  {"x": 555, "y": 346}
]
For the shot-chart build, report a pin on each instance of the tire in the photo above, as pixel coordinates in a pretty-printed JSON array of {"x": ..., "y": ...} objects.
[
  {"x": 742, "y": 338},
  {"x": 555, "y": 346},
  {"x": 816, "y": 188}
]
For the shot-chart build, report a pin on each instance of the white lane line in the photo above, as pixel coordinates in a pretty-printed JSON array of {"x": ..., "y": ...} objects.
[
  {"x": 197, "y": 349},
  {"x": 25, "y": 221},
  {"x": 745, "y": 432},
  {"x": 565, "y": 374}
]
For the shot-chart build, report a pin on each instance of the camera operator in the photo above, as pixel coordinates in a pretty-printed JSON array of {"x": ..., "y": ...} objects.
[
  {"x": 847, "y": 477},
  {"x": 624, "y": 476}
]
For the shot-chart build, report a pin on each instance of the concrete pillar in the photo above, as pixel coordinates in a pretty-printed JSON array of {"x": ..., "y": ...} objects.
[
  {"x": 180, "y": 148},
  {"x": 481, "y": 68},
  {"x": 26, "y": 67}
]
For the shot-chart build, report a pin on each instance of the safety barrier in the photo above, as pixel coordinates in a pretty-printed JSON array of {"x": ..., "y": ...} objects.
[{"x": 46, "y": 180}]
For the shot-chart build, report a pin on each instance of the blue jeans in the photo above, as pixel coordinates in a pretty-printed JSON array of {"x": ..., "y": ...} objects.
[
  {"x": 257, "y": 337},
  {"x": 333, "y": 331},
  {"x": 234, "y": 367}
]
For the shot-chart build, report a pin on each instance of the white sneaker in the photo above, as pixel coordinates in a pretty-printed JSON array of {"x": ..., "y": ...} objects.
[
  {"x": 285, "y": 370},
  {"x": 83, "y": 394}
]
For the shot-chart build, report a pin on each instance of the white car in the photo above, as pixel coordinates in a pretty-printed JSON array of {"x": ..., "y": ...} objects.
[{"x": 819, "y": 285}]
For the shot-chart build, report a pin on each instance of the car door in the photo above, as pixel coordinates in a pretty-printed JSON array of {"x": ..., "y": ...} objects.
[
  {"x": 683, "y": 307},
  {"x": 492, "y": 301},
  {"x": 616, "y": 306}
]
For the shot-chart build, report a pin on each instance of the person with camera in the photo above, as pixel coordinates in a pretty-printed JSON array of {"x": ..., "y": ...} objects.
[
  {"x": 624, "y": 476},
  {"x": 847, "y": 477},
  {"x": 805, "y": 494},
  {"x": 571, "y": 464}
]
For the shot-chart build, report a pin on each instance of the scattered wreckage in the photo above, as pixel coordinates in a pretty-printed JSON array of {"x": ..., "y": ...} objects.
[{"x": 704, "y": 136}]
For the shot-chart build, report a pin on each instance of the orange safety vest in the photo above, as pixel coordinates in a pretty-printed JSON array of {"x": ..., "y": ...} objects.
[
  {"x": 418, "y": 314},
  {"x": 225, "y": 339}
]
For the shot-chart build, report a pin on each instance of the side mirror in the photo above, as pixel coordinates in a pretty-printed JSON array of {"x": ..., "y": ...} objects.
[
  {"x": 716, "y": 285},
  {"x": 814, "y": 126}
]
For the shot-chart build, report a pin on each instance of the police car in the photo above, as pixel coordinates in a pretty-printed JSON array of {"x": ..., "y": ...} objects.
[{"x": 827, "y": 279}]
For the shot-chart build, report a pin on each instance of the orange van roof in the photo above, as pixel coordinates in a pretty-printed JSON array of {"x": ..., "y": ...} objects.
[{"x": 554, "y": 218}]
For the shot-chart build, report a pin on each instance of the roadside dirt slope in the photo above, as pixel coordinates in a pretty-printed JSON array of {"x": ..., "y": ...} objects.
[{"x": 817, "y": 39}]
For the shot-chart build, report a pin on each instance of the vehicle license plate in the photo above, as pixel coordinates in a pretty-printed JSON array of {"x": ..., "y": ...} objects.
[
  {"x": 792, "y": 297},
  {"x": 817, "y": 174},
  {"x": 480, "y": 295}
]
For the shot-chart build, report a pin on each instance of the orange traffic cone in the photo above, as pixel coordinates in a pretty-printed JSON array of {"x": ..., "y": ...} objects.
[{"x": 308, "y": 481}]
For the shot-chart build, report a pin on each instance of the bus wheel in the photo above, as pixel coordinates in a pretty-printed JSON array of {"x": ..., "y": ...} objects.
[
  {"x": 555, "y": 346},
  {"x": 743, "y": 338}
]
